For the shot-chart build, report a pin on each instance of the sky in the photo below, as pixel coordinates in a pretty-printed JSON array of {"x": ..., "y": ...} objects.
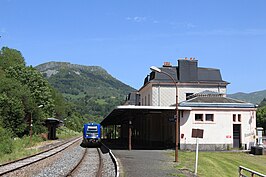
[{"x": 127, "y": 37}]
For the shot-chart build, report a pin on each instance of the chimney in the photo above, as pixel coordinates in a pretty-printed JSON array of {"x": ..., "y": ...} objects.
[
  {"x": 188, "y": 69},
  {"x": 167, "y": 64}
]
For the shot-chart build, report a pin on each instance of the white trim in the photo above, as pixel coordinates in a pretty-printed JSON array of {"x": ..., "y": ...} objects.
[{"x": 153, "y": 107}]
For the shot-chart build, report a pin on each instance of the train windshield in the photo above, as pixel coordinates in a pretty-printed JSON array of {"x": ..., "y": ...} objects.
[{"x": 92, "y": 129}]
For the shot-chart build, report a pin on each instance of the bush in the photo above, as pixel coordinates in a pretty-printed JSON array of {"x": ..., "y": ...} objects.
[{"x": 6, "y": 142}]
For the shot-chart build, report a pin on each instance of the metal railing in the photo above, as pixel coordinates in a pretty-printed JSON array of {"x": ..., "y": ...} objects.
[{"x": 251, "y": 172}]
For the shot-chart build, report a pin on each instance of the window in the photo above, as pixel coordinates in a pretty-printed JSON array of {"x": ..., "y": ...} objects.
[
  {"x": 152, "y": 75},
  {"x": 149, "y": 100},
  {"x": 209, "y": 117},
  {"x": 234, "y": 117},
  {"x": 187, "y": 95},
  {"x": 198, "y": 117},
  {"x": 239, "y": 117},
  {"x": 145, "y": 102},
  {"x": 204, "y": 118}
]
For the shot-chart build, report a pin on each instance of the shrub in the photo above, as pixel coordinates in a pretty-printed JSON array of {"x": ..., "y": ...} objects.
[{"x": 6, "y": 142}]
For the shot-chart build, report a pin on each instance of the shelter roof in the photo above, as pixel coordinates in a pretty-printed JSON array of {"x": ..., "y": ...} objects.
[{"x": 53, "y": 121}]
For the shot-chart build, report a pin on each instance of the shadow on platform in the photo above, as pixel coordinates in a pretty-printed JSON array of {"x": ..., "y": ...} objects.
[{"x": 119, "y": 144}]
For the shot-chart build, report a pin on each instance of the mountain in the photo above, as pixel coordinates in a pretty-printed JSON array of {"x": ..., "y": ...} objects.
[
  {"x": 91, "y": 89},
  {"x": 254, "y": 97}
]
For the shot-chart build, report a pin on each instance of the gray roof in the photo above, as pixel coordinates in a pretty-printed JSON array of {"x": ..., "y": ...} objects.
[
  {"x": 187, "y": 71},
  {"x": 201, "y": 100},
  {"x": 209, "y": 74}
]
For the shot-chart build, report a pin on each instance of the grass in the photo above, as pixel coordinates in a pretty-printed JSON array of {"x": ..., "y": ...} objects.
[
  {"x": 65, "y": 133},
  {"x": 222, "y": 164},
  {"x": 22, "y": 147}
]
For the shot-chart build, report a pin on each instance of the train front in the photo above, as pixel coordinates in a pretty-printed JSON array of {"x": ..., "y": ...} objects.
[{"x": 92, "y": 134}]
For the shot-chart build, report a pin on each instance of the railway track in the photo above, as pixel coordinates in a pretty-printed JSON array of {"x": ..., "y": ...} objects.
[
  {"x": 97, "y": 162},
  {"x": 91, "y": 164},
  {"x": 20, "y": 163}
]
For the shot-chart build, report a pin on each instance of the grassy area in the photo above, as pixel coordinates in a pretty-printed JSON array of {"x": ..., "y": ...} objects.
[
  {"x": 22, "y": 147},
  {"x": 222, "y": 164},
  {"x": 65, "y": 133}
]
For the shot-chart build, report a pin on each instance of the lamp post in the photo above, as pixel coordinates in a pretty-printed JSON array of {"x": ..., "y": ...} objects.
[
  {"x": 129, "y": 134},
  {"x": 155, "y": 69},
  {"x": 31, "y": 121}
]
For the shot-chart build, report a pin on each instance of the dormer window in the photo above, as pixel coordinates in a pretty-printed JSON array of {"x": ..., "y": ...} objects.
[
  {"x": 187, "y": 95},
  {"x": 152, "y": 75}
]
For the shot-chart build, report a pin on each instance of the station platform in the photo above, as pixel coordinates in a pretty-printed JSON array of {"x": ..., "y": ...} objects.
[{"x": 145, "y": 163}]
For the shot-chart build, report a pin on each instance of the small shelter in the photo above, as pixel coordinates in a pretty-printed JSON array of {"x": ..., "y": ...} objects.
[{"x": 52, "y": 124}]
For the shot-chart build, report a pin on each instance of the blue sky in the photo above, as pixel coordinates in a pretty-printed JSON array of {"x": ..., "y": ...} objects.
[{"x": 126, "y": 37}]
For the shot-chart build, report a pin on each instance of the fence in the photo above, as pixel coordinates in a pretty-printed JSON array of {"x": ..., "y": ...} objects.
[{"x": 249, "y": 171}]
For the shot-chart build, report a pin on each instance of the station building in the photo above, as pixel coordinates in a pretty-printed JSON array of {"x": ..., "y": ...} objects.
[{"x": 147, "y": 119}]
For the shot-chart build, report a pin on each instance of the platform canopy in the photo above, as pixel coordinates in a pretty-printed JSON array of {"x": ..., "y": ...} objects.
[{"x": 123, "y": 114}]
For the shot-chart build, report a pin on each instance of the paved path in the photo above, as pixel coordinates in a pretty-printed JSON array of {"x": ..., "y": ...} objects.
[{"x": 139, "y": 163}]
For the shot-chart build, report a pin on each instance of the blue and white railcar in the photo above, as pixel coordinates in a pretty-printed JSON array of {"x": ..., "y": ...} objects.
[{"x": 92, "y": 134}]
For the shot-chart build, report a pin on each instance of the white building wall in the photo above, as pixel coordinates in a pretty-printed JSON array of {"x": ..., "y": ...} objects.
[
  {"x": 182, "y": 91},
  {"x": 166, "y": 95},
  {"x": 163, "y": 96},
  {"x": 249, "y": 129},
  {"x": 220, "y": 131},
  {"x": 146, "y": 96},
  {"x": 217, "y": 133}
]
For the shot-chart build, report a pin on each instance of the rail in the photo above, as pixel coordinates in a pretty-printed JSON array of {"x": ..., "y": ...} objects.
[
  {"x": 20, "y": 163},
  {"x": 114, "y": 160},
  {"x": 251, "y": 172},
  {"x": 76, "y": 166},
  {"x": 99, "y": 172}
]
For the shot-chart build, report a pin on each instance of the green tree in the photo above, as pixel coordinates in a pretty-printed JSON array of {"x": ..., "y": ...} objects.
[
  {"x": 261, "y": 117},
  {"x": 61, "y": 107},
  {"x": 22, "y": 90},
  {"x": 39, "y": 87},
  {"x": 12, "y": 104},
  {"x": 10, "y": 57}
]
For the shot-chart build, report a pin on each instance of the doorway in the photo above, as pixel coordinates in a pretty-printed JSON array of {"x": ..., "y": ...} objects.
[{"x": 237, "y": 136}]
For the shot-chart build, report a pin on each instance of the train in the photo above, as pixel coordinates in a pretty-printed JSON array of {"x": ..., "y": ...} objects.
[{"x": 91, "y": 134}]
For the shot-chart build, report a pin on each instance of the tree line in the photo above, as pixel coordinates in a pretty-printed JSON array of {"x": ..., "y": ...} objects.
[{"x": 26, "y": 95}]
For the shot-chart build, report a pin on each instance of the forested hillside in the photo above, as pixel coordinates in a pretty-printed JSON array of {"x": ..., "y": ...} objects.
[
  {"x": 90, "y": 89},
  {"x": 253, "y": 97}
]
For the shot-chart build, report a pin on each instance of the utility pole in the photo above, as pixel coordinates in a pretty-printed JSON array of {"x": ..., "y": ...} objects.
[{"x": 155, "y": 69}]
